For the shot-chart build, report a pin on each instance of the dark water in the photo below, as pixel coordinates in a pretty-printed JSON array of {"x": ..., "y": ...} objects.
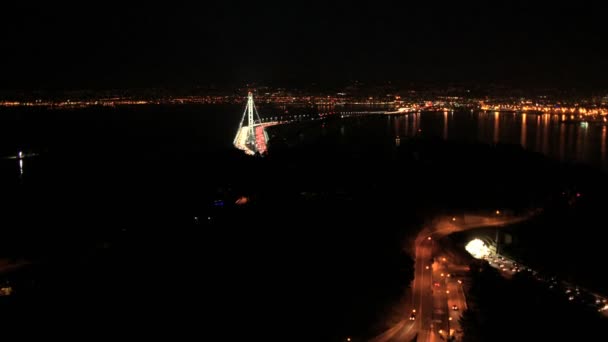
[
  {"x": 182, "y": 132},
  {"x": 542, "y": 133},
  {"x": 539, "y": 133},
  {"x": 211, "y": 128}
]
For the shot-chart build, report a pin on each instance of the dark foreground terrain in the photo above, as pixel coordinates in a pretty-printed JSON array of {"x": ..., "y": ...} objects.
[{"x": 152, "y": 244}]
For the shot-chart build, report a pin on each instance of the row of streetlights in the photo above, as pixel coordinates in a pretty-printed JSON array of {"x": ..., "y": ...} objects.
[
  {"x": 446, "y": 276},
  {"x": 429, "y": 238}
]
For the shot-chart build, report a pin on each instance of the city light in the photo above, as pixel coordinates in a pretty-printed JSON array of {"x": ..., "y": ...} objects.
[{"x": 477, "y": 249}]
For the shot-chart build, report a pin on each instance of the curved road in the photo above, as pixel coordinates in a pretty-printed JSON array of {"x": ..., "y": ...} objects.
[{"x": 434, "y": 293}]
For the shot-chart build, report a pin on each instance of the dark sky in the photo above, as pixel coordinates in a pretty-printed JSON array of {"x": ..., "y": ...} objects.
[{"x": 106, "y": 45}]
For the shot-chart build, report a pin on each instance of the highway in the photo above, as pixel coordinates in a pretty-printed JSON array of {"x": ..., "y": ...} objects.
[
  {"x": 574, "y": 293},
  {"x": 437, "y": 287}
]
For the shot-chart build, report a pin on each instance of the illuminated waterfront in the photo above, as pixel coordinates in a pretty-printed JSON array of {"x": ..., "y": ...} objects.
[{"x": 542, "y": 133}]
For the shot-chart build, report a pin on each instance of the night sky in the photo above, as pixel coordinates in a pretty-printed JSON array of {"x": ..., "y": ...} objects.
[{"x": 113, "y": 46}]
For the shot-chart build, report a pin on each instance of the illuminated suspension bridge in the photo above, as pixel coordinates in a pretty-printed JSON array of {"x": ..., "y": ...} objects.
[{"x": 251, "y": 136}]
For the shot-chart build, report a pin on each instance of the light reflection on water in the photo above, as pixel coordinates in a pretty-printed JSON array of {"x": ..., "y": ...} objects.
[
  {"x": 522, "y": 133},
  {"x": 544, "y": 133},
  {"x": 445, "y": 125}
]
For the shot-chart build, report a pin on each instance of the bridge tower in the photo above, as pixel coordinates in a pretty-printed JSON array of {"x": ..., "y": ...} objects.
[
  {"x": 251, "y": 137},
  {"x": 250, "y": 120}
]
